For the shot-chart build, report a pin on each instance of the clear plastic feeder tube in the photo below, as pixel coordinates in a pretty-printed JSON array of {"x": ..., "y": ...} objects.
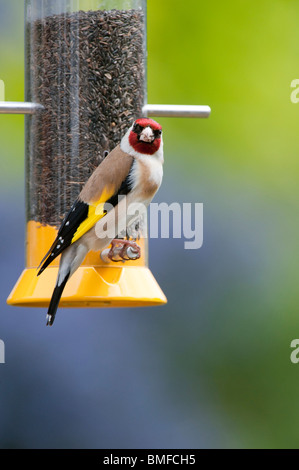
[{"x": 86, "y": 65}]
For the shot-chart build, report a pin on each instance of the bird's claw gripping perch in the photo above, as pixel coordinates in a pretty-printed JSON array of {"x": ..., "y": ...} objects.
[{"x": 121, "y": 250}]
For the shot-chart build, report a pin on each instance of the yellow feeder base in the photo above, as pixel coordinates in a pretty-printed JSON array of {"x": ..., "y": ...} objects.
[
  {"x": 129, "y": 284},
  {"x": 124, "y": 286}
]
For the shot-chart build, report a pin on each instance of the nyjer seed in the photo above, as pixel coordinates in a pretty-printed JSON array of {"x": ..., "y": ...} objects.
[{"x": 87, "y": 70}]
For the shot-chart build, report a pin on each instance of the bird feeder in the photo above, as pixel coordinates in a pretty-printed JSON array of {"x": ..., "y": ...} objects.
[{"x": 85, "y": 83}]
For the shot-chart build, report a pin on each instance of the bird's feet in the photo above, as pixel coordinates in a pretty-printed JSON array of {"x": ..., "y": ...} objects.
[{"x": 123, "y": 250}]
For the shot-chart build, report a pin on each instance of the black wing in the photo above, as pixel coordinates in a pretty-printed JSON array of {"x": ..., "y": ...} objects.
[{"x": 74, "y": 218}]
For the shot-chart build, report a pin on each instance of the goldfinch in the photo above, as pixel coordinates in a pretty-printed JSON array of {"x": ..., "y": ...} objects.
[{"x": 133, "y": 169}]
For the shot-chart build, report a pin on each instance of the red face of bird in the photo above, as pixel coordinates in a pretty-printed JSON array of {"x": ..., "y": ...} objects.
[{"x": 145, "y": 136}]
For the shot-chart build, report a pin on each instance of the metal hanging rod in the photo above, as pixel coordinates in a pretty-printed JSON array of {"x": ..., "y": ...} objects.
[
  {"x": 175, "y": 110},
  {"x": 16, "y": 107},
  {"x": 157, "y": 110}
]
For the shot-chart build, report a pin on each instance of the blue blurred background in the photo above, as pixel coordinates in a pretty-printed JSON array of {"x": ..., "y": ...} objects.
[{"x": 212, "y": 368}]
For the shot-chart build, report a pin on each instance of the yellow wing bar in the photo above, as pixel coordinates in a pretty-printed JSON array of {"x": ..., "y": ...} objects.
[{"x": 95, "y": 213}]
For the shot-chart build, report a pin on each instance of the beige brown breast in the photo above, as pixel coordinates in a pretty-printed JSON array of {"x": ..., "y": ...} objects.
[{"x": 108, "y": 177}]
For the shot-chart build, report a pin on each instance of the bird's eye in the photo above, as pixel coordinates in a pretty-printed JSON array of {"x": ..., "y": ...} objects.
[
  {"x": 157, "y": 133},
  {"x": 137, "y": 129}
]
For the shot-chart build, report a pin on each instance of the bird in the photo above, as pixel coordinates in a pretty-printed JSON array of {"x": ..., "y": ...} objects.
[{"x": 131, "y": 173}]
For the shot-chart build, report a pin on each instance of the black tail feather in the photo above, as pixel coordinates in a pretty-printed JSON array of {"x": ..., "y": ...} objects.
[
  {"x": 45, "y": 265},
  {"x": 56, "y": 296}
]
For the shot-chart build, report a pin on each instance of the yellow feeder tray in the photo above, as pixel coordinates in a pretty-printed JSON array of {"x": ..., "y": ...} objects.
[
  {"x": 94, "y": 284},
  {"x": 90, "y": 287}
]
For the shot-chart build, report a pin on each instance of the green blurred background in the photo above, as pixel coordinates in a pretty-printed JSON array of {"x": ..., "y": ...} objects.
[{"x": 212, "y": 368}]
